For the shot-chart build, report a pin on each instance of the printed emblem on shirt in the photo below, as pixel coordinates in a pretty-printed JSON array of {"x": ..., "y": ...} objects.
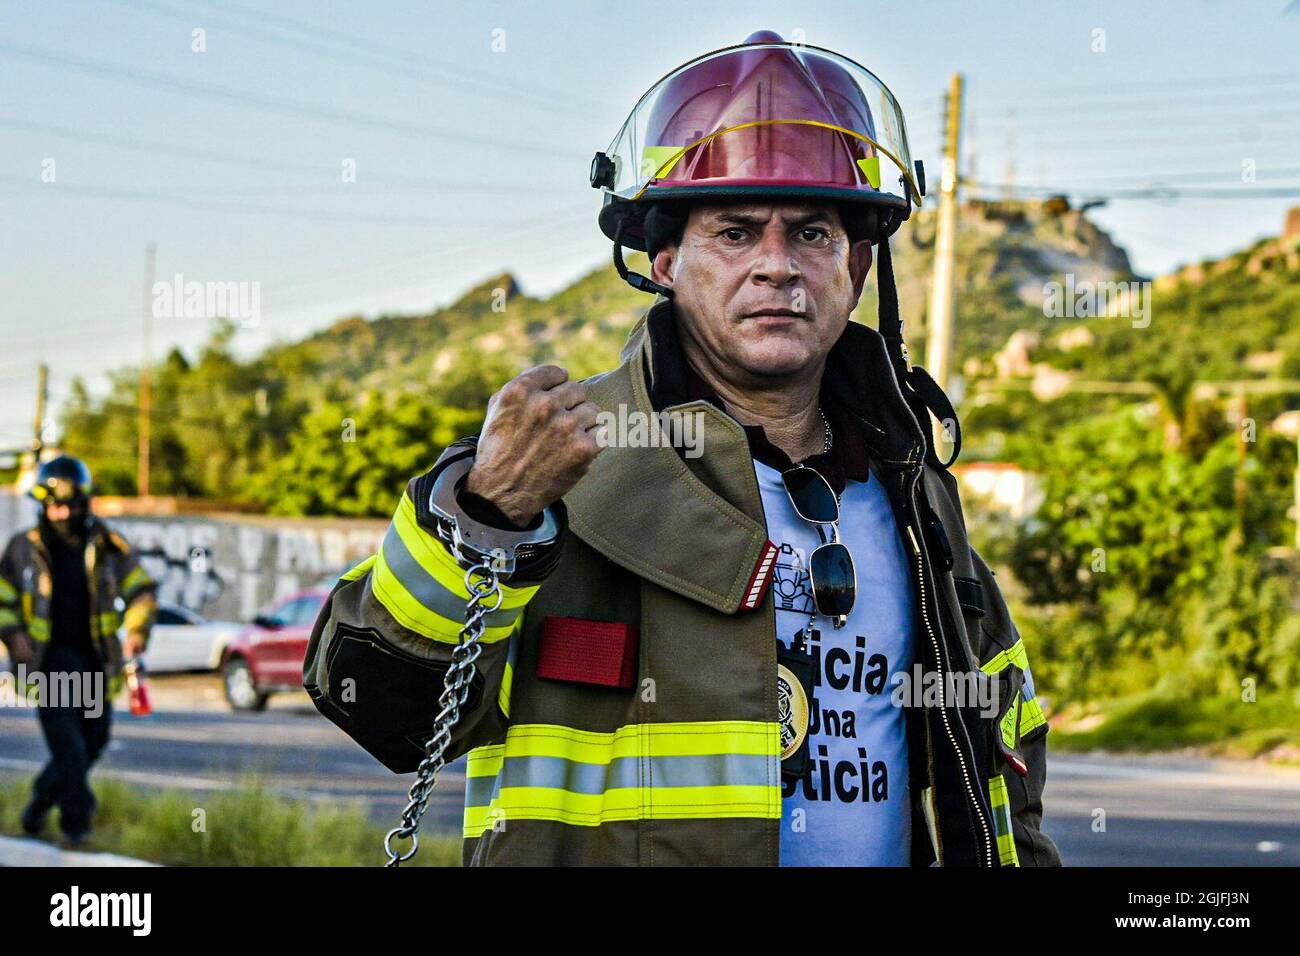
[
  {"x": 791, "y": 709},
  {"x": 790, "y": 583}
]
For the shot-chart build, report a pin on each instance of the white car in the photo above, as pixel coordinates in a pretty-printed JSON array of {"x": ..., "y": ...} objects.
[{"x": 182, "y": 640}]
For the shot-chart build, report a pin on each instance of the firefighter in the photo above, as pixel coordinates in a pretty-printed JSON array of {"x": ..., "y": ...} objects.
[
  {"x": 770, "y": 645},
  {"x": 66, "y": 587}
]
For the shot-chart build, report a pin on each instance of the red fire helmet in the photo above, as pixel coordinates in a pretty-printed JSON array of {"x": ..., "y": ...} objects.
[{"x": 766, "y": 118}]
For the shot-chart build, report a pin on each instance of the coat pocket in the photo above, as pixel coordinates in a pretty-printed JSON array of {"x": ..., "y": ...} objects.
[{"x": 377, "y": 685}]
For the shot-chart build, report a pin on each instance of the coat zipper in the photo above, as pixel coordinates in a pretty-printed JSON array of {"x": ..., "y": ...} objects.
[
  {"x": 920, "y": 560},
  {"x": 943, "y": 710}
]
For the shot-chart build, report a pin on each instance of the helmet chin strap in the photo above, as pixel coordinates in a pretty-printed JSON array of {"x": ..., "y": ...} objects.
[
  {"x": 635, "y": 279},
  {"x": 920, "y": 391}
]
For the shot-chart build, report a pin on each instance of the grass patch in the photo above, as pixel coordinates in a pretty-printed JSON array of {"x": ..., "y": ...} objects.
[
  {"x": 246, "y": 826},
  {"x": 1221, "y": 725}
]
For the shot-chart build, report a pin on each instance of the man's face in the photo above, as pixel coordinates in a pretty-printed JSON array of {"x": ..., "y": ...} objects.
[
  {"x": 74, "y": 509},
  {"x": 765, "y": 289}
]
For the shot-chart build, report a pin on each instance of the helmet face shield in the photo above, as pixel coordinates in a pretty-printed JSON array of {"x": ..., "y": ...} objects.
[
  {"x": 59, "y": 490},
  {"x": 765, "y": 118}
]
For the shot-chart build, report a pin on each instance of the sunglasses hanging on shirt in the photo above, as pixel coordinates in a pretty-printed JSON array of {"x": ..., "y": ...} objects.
[{"x": 830, "y": 567}]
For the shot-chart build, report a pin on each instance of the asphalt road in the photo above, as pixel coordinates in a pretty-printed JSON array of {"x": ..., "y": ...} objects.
[{"x": 1101, "y": 809}]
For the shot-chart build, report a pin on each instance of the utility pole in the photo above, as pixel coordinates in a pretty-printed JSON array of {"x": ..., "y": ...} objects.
[
  {"x": 142, "y": 462},
  {"x": 1009, "y": 166},
  {"x": 42, "y": 397},
  {"x": 943, "y": 291}
]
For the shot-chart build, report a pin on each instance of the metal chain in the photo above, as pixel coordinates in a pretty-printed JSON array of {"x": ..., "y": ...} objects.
[{"x": 455, "y": 692}]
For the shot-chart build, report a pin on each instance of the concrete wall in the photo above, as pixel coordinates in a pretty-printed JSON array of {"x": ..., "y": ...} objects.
[{"x": 231, "y": 566}]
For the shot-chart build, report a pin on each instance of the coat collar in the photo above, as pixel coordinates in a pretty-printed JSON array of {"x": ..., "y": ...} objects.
[{"x": 695, "y": 525}]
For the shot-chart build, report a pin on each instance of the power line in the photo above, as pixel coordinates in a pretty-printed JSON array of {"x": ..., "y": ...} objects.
[
  {"x": 452, "y": 71},
  {"x": 262, "y": 101},
  {"x": 348, "y": 54},
  {"x": 1208, "y": 177},
  {"x": 1145, "y": 139},
  {"x": 548, "y": 221},
  {"x": 1140, "y": 88},
  {"x": 261, "y": 165},
  {"x": 1150, "y": 192},
  {"x": 1150, "y": 125},
  {"x": 1065, "y": 110},
  {"x": 187, "y": 202},
  {"x": 125, "y": 321}
]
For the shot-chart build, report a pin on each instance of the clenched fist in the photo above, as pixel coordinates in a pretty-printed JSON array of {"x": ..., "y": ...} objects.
[{"x": 539, "y": 438}]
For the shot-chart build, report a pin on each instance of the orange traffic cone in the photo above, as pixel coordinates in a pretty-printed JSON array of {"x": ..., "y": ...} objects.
[{"x": 137, "y": 689}]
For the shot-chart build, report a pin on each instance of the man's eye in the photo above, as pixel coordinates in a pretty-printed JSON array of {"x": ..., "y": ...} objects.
[
  {"x": 813, "y": 234},
  {"x": 734, "y": 234}
]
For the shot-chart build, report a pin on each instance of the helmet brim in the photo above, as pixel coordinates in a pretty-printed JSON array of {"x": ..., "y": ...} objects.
[{"x": 868, "y": 215}]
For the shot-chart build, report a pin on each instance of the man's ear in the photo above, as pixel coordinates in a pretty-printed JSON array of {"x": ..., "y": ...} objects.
[
  {"x": 661, "y": 266},
  {"x": 859, "y": 265}
]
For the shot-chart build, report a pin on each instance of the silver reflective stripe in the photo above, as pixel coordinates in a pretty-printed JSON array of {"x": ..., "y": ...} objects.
[
  {"x": 512, "y": 650},
  {"x": 429, "y": 592},
  {"x": 556, "y": 773}
]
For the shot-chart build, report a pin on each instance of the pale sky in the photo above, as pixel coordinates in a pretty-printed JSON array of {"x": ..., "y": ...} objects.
[{"x": 472, "y": 126}]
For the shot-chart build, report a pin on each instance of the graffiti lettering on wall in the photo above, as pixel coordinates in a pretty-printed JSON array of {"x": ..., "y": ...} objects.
[
  {"x": 229, "y": 569},
  {"x": 191, "y": 581}
]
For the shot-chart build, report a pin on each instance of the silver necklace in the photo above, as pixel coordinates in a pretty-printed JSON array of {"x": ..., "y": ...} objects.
[{"x": 826, "y": 426}]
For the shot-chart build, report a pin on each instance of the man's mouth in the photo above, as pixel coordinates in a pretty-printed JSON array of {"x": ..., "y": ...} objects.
[{"x": 780, "y": 313}]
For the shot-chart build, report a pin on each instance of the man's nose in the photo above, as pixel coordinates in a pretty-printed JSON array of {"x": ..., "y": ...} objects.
[{"x": 774, "y": 264}]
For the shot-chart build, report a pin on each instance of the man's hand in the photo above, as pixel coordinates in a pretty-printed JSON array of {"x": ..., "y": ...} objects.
[
  {"x": 132, "y": 646},
  {"x": 539, "y": 438}
]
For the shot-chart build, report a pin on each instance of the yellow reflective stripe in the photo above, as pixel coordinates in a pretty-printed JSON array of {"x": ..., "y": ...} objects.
[
  {"x": 592, "y": 810},
  {"x": 1031, "y": 711},
  {"x": 689, "y": 770},
  {"x": 8, "y": 593},
  {"x": 138, "y": 614},
  {"x": 406, "y": 610},
  {"x": 359, "y": 571},
  {"x": 432, "y": 570},
  {"x": 1031, "y": 718},
  {"x": 39, "y": 629},
  {"x": 1003, "y": 659},
  {"x": 508, "y": 677},
  {"x": 8, "y": 618},
  {"x": 1007, "y": 726},
  {"x": 136, "y": 579},
  {"x": 438, "y": 563},
  {"x": 414, "y": 616},
  {"x": 1001, "y": 803},
  {"x": 507, "y": 683},
  {"x": 109, "y": 623},
  {"x": 683, "y": 739}
]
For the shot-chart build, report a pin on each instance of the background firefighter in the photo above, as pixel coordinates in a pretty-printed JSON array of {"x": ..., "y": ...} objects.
[{"x": 66, "y": 587}]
